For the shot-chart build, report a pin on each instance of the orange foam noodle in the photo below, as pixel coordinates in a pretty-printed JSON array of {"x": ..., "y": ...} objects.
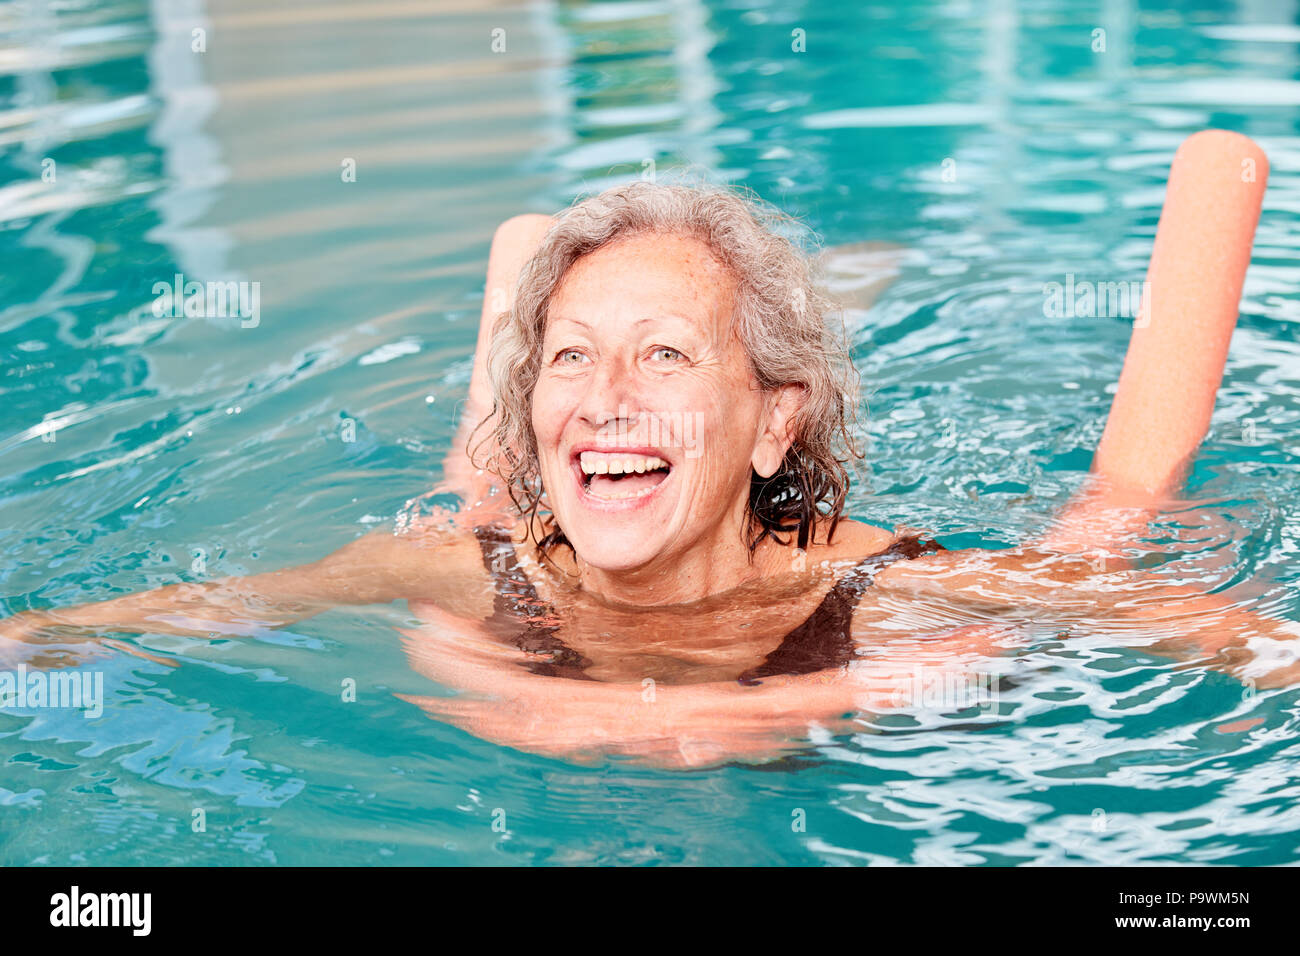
[{"x": 1179, "y": 345}]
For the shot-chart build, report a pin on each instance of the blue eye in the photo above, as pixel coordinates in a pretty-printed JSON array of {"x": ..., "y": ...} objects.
[
  {"x": 666, "y": 353},
  {"x": 570, "y": 357}
]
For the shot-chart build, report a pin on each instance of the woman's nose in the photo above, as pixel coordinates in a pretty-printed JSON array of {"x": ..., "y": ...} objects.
[{"x": 611, "y": 394}]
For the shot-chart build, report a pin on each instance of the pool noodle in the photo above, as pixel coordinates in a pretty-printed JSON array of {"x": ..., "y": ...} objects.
[
  {"x": 513, "y": 245},
  {"x": 1179, "y": 346},
  {"x": 1175, "y": 361}
]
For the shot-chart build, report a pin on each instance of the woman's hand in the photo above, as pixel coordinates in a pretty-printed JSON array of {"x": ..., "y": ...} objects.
[
  {"x": 1105, "y": 593},
  {"x": 36, "y": 639},
  {"x": 1213, "y": 630}
]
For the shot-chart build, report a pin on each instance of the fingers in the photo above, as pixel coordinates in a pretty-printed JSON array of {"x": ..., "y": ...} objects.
[
  {"x": 44, "y": 651},
  {"x": 137, "y": 652}
]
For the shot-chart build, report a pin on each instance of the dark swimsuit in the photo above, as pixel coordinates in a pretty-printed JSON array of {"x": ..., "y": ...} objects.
[{"x": 823, "y": 641}]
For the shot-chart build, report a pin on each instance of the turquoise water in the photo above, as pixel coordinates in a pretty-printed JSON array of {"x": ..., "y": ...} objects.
[{"x": 189, "y": 448}]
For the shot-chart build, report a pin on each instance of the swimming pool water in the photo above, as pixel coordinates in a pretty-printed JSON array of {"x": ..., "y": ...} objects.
[{"x": 991, "y": 141}]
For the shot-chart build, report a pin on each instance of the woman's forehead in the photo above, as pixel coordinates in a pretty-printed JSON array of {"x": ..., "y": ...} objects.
[{"x": 668, "y": 278}]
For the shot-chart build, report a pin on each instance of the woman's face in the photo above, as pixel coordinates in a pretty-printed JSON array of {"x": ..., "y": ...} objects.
[{"x": 647, "y": 416}]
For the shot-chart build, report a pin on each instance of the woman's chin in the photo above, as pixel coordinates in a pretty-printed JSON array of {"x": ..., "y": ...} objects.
[
  {"x": 615, "y": 551},
  {"x": 619, "y": 533}
]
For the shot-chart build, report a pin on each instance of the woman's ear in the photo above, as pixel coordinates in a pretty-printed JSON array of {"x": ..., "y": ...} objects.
[{"x": 777, "y": 432}]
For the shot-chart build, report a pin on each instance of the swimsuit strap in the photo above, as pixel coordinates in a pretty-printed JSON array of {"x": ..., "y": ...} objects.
[
  {"x": 515, "y": 596},
  {"x": 825, "y": 639}
]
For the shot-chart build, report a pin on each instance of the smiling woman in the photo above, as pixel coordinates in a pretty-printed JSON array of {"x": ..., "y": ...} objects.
[
  {"x": 648, "y": 307},
  {"x": 706, "y": 568}
]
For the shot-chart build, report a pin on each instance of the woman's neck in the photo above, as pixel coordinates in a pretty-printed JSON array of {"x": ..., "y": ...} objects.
[{"x": 710, "y": 566}]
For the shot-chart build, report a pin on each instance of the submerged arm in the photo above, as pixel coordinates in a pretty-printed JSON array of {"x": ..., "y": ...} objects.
[
  {"x": 1157, "y": 421},
  {"x": 375, "y": 569},
  {"x": 1067, "y": 590},
  {"x": 664, "y": 725}
]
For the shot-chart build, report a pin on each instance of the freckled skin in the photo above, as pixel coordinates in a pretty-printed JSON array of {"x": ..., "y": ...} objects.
[{"x": 644, "y": 325}]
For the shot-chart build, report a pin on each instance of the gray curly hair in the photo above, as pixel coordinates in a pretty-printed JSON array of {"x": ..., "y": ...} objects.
[{"x": 782, "y": 319}]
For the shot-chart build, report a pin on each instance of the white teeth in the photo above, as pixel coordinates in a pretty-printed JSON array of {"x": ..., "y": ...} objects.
[
  {"x": 603, "y": 463},
  {"x": 597, "y": 463}
]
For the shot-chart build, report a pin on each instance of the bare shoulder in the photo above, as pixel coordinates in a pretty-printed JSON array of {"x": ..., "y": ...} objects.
[
  {"x": 861, "y": 540},
  {"x": 853, "y": 539}
]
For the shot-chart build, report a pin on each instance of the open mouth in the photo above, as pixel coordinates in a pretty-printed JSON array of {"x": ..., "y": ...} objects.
[{"x": 613, "y": 476}]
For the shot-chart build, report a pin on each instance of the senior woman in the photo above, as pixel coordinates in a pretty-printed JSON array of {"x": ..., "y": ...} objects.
[{"x": 653, "y": 559}]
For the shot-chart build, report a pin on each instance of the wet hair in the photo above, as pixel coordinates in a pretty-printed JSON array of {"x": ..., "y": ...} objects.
[{"x": 791, "y": 332}]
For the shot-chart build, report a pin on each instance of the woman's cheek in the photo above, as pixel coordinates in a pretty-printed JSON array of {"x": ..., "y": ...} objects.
[
  {"x": 548, "y": 415},
  {"x": 723, "y": 422}
]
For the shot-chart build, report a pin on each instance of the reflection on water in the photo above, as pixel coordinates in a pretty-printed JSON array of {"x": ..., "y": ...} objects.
[{"x": 353, "y": 159}]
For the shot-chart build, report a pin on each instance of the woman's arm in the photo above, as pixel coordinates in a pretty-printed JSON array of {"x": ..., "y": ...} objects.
[
  {"x": 377, "y": 568},
  {"x": 1079, "y": 569},
  {"x": 671, "y": 726},
  {"x": 664, "y": 725},
  {"x": 1069, "y": 590},
  {"x": 1213, "y": 630}
]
